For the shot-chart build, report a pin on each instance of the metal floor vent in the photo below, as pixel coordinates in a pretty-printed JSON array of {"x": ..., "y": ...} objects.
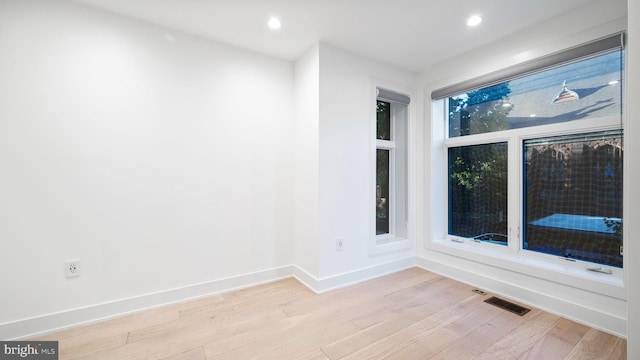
[{"x": 506, "y": 305}]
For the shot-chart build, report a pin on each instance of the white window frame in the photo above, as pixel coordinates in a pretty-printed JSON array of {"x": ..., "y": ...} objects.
[
  {"x": 513, "y": 257},
  {"x": 385, "y": 243},
  {"x": 528, "y": 261}
]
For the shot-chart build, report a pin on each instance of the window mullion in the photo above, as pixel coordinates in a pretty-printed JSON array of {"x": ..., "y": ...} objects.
[
  {"x": 385, "y": 144},
  {"x": 514, "y": 194}
]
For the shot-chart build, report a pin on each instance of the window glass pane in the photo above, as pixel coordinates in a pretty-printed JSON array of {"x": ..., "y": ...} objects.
[
  {"x": 383, "y": 122},
  {"x": 585, "y": 89},
  {"x": 478, "y": 192},
  {"x": 479, "y": 111},
  {"x": 382, "y": 191},
  {"x": 573, "y": 196}
]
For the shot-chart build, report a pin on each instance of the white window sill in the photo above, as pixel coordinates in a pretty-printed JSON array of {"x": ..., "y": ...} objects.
[
  {"x": 384, "y": 244},
  {"x": 550, "y": 268}
]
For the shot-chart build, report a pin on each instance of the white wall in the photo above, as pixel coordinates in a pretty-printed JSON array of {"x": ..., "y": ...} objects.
[
  {"x": 632, "y": 216},
  {"x": 160, "y": 160},
  {"x": 305, "y": 152},
  {"x": 541, "y": 288},
  {"x": 346, "y": 159},
  {"x": 174, "y": 167},
  {"x": 335, "y": 109}
]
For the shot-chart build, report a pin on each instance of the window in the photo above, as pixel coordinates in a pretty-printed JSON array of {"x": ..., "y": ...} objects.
[
  {"x": 383, "y": 165},
  {"x": 573, "y": 196},
  {"x": 535, "y": 158},
  {"x": 391, "y": 167},
  {"x": 478, "y": 192}
]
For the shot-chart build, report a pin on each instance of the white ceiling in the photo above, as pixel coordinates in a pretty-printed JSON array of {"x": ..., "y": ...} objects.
[{"x": 412, "y": 34}]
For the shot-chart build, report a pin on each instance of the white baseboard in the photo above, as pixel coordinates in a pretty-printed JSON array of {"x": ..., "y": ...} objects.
[
  {"x": 551, "y": 303},
  {"x": 305, "y": 278},
  {"x": 32, "y": 327},
  {"x": 40, "y": 325},
  {"x": 352, "y": 277}
]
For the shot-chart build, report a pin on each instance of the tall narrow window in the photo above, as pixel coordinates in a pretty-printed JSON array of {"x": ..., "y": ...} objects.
[{"x": 391, "y": 166}]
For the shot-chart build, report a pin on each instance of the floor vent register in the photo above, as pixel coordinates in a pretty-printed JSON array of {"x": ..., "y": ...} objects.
[{"x": 506, "y": 305}]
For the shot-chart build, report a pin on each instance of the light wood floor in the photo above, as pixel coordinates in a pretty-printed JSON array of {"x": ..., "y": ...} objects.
[{"x": 413, "y": 314}]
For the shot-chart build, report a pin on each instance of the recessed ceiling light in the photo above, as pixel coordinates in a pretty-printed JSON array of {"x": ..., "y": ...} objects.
[
  {"x": 274, "y": 23},
  {"x": 533, "y": 115},
  {"x": 613, "y": 82},
  {"x": 474, "y": 20}
]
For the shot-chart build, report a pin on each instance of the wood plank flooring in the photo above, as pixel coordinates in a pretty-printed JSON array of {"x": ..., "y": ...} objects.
[{"x": 412, "y": 314}]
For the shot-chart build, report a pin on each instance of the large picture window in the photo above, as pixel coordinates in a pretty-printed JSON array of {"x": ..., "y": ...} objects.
[{"x": 535, "y": 160}]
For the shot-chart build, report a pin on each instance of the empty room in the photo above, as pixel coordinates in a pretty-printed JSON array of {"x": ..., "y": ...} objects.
[{"x": 277, "y": 179}]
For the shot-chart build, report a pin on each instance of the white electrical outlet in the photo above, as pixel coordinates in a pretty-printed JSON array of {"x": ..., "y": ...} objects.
[
  {"x": 72, "y": 268},
  {"x": 339, "y": 244}
]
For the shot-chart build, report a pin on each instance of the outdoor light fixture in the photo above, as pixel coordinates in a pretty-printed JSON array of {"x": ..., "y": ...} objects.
[{"x": 565, "y": 95}]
